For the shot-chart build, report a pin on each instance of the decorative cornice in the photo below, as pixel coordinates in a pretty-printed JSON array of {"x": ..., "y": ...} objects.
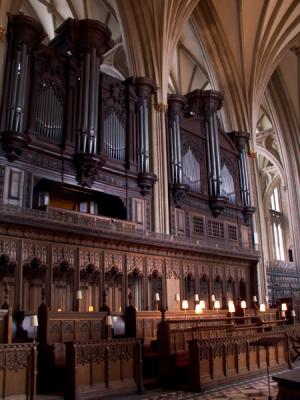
[
  {"x": 252, "y": 154},
  {"x": 161, "y": 107},
  {"x": 2, "y": 33}
]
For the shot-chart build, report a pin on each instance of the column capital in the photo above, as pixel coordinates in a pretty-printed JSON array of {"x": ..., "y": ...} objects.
[
  {"x": 241, "y": 139},
  {"x": 205, "y": 102},
  {"x": 94, "y": 34},
  {"x": 145, "y": 86},
  {"x": 176, "y": 104},
  {"x": 2, "y": 33},
  {"x": 25, "y": 29},
  {"x": 161, "y": 107}
]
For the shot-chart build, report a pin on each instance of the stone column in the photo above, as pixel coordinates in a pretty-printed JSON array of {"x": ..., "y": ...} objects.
[
  {"x": 94, "y": 41},
  {"x": 23, "y": 34}
]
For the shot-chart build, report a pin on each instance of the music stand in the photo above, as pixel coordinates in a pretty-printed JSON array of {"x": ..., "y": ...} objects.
[{"x": 267, "y": 342}]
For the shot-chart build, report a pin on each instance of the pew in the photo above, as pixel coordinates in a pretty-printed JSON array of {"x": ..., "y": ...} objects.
[
  {"x": 176, "y": 357},
  {"x": 97, "y": 369}
]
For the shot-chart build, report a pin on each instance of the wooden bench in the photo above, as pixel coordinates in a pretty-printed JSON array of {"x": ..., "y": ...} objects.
[{"x": 98, "y": 369}]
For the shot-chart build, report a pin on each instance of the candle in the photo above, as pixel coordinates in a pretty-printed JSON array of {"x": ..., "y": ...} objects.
[
  {"x": 254, "y": 299},
  {"x": 59, "y": 309},
  {"x": 177, "y": 297},
  {"x": 243, "y": 304},
  {"x": 213, "y": 297},
  {"x": 34, "y": 320},
  {"x": 91, "y": 308},
  {"x": 196, "y": 297},
  {"x": 293, "y": 313},
  {"x": 157, "y": 297}
]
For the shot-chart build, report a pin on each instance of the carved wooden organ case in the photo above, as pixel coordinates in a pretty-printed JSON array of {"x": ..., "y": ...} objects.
[{"x": 209, "y": 187}]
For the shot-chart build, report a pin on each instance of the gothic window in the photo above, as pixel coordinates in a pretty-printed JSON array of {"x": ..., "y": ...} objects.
[
  {"x": 227, "y": 186},
  {"x": 191, "y": 171}
]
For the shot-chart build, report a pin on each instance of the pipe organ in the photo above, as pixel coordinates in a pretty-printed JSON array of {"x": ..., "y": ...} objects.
[{"x": 77, "y": 183}]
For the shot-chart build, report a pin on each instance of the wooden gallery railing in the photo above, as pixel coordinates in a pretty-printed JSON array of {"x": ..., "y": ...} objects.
[{"x": 103, "y": 367}]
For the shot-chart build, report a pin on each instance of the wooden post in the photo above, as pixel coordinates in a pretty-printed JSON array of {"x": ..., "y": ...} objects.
[
  {"x": 195, "y": 372},
  {"x": 33, "y": 368}
]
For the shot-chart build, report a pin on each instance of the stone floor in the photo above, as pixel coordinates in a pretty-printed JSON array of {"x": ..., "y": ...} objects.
[{"x": 250, "y": 390}]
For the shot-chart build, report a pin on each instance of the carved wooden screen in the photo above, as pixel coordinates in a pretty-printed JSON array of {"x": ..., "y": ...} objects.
[
  {"x": 136, "y": 288},
  {"x": 204, "y": 293},
  {"x": 155, "y": 287},
  {"x": 189, "y": 288}
]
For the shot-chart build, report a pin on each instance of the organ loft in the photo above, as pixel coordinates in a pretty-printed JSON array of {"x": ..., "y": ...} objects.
[{"x": 142, "y": 235}]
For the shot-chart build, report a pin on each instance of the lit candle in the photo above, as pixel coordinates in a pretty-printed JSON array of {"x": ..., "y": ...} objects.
[
  {"x": 196, "y": 297},
  {"x": 59, "y": 309},
  {"x": 202, "y": 304},
  {"x": 213, "y": 297},
  {"x": 157, "y": 297},
  {"x": 254, "y": 299},
  {"x": 91, "y": 308},
  {"x": 177, "y": 297}
]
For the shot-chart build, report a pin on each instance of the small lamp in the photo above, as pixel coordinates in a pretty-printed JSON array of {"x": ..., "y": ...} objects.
[
  {"x": 231, "y": 307},
  {"x": 217, "y": 305},
  {"x": 293, "y": 313},
  {"x": 79, "y": 294},
  {"x": 156, "y": 298},
  {"x": 202, "y": 304},
  {"x": 283, "y": 307},
  {"x": 262, "y": 307},
  {"x": 34, "y": 324},
  {"x": 91, "y": 308},
  {"x": 254, "y": 299},
  {"x": 243, "y": 304},
  {"x": 196, "y": 298},
  {"x": 177, "y": 297},
  {"x": 198, "y": 309},
  {"x": 185, "y": 306},
  {"x": 213, "y": 298}
]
